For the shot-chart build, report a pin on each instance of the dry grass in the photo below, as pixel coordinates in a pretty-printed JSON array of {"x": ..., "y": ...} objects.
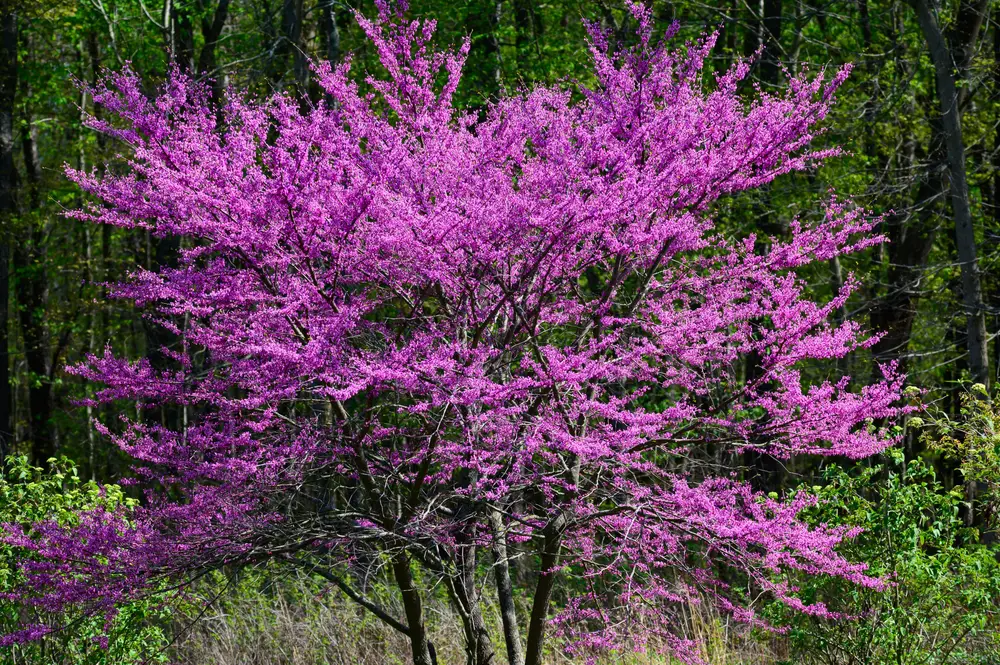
[{"x": 286, "y": 622}]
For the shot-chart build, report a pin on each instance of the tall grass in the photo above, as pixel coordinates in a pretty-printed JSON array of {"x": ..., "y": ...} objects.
[{"x": 266, "y": 620}]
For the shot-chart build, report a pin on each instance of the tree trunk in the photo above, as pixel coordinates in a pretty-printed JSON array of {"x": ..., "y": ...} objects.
[
  {"x": 770, "y": 66},
  {"x": 211, "y": 30},
  {"x": 505, "y": 592},
  {"x": 527, "y": 28},
  {"x": 329, "y": 31},
  {"x": 8, "y": 207},
  {"x": 996, "y": 176},
  {"x": 965, "y": 239},
  {"x": 909, "y": 246},
  {"x": 413, "y": 608},
  {"x": 182, "y": 38},
  {"x": 32, "y": 292},
  {"x": 480, "y": 646},
  {"x": 751, "y": 33},
  {"x": 291, "y": 28},
  {"x": 482, "y": 22},
  {"x": 33, "y": 287},
  {"x": 551, "y": 546}
]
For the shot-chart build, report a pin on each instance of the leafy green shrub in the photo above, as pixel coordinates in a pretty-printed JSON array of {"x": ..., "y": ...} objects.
[
  {"x": 940, "y": 606},
  {"x": 29, "y": 494}
]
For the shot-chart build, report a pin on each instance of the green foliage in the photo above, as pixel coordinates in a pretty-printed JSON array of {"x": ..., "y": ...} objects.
[
  {"x": 28, "y": 494},
  {"x": 973, "y": 440},
  {"x": 940, "y": 605}
]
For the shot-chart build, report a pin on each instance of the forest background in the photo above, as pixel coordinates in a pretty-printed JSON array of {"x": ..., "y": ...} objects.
[{"x": 918, "y": 118}]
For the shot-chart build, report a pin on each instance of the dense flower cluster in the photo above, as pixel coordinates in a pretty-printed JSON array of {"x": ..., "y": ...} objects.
[{"x": 409, "y": 334}]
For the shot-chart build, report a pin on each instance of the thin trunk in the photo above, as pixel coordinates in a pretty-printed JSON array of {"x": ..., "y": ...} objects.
[
  {"x": 182, "y": 38},
  {"x": 770, "y": 66},
  {"x": 910, "y": 241},
  {"x": 996, "y": 172},
  {"x": 211, "y": 30},
  {"x": 329, "y": 37},
  {"x": 496, "y": 14},
  {"x": 6, "y": 433},
  {"x": 291, "y": 27},
  {"x": 751, "y": 35},
  {"x": 963, "y": 33},
  {"x": 551, "y": 546},
  {"x": 166, "y": 249},
  {"x": 8, "y": 208},
  {"x": 329, "y": 31},
  {"x": 527, "y": 28},
  {"x": 480, "y": 646},
  {"x": 483, "y": 22},
  {"x": 866, "y": 26},
  {"x": 965, "y": 240},
  {"x": 413, "y": 607},
  {"x": 910, "y": 234},
  {"x": 32, "y": 291},
  {"x": 100, "y": 273},
  {"x": 94, "y": 314},
  {"x": 32, "y": 294},
  {"x": 505, "y": 591}
]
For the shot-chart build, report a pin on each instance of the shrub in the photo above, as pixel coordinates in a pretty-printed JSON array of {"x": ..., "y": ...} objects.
[
  {"x": 29, "y": 495},
  {"x": 941, "y": 607}
]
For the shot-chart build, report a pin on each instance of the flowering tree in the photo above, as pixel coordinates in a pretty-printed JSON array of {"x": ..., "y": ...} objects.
[{"x": 412, "y": 338}]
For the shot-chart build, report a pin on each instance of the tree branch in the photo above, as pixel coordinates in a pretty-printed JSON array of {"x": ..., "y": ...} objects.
[{"x": 383, "y": 615}]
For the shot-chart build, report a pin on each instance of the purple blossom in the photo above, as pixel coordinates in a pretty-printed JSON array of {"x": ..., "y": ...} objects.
[{"x": 401, "y": 317}]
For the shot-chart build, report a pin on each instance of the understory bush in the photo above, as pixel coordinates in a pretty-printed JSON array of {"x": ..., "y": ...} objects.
[
  {"x": 930, "y": 541},
  {"x": 941, "y": 608},
  {"x": 29, "y": 495}
]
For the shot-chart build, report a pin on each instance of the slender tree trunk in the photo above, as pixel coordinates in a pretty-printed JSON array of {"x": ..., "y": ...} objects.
[
  {"x": 329, "y": 31},
  {"x": 291, "y": 27},
  {"x": 483, "y": 22},
  {"x": 771, "y": 24},
  {"x": 505, "y": 591},
  {"x": 211, "y": 30},
  {"x": 163, "y": 252},
  {"x": 33, "y": 287},
  {"x": 94, "y": 313},
  {"x": 32, "y": 291},
  {"x": 100, "y": 272},
  {"x": 480, "y": 646},
  {"x": 413, "y": 607},
  {"x": 866, "y": 25},
  {"x": 913, "y": 229},
  {"x": 752, "y": 31},
  {"x": 182, "y": 37},
  {"x": 995, "y": 163},
  {"x": 965, "y": 239},
  {"x": 910, "y": 240},
  {"x": 8, "y": 208},
  {"x": 551, "y": 546},
  {"x": 6, "y": 431},
  {"x": 963, "y": 35},
  {"x": 527, "y": 27}
]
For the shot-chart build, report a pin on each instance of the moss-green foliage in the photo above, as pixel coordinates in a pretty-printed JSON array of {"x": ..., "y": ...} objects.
[{"x": 27, "y": 494}]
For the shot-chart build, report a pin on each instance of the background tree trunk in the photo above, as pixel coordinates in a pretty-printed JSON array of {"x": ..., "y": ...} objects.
[
  {"x": 8, "y": 206},
  {"x": 965, "y": 237}
]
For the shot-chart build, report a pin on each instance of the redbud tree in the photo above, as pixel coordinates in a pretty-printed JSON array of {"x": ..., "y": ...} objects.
[{"x": 472, "y": 352}]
